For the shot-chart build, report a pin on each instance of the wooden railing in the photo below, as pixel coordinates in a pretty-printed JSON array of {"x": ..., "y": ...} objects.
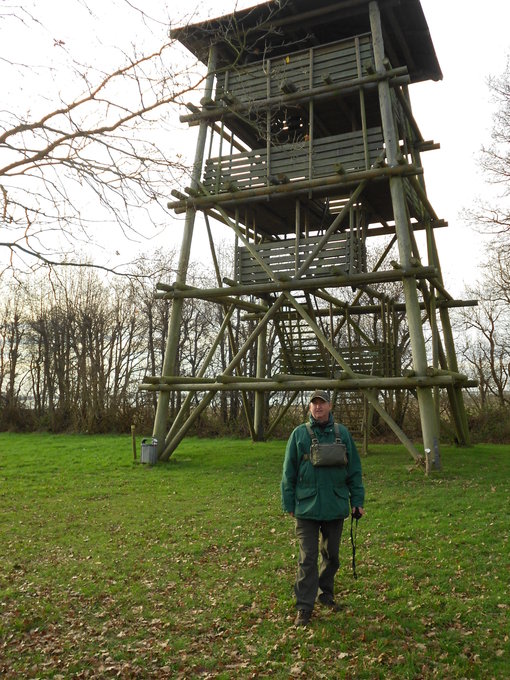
[
  {"x": 343, "y": 252},
  {"x": 302, "y": 70},
  {"x": 344, "y": 153}
]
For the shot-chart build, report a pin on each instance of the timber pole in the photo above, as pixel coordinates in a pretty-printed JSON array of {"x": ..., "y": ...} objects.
[
  {"x": 280, "y": 286},
  {"x": 430, "y": 429},
  {"x": 174, "y": 324},
  {"x": 307, "y": 384},
  {"x": 260, "y": 397},
  {"x": 455, "y": 392}
]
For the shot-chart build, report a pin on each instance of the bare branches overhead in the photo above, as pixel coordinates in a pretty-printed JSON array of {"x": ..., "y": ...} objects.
[{"x": 86, "y": 146}]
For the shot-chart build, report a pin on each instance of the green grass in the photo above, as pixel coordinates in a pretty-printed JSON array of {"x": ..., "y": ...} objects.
[{"x": 111, "y": 569}]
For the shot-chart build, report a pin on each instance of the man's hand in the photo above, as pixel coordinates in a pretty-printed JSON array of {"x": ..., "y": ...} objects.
[{"x": 357, "y": 512}]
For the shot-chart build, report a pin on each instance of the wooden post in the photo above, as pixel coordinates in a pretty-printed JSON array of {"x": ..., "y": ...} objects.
[
  {"x": 260, "y": 397},
  {"x": 455, "y": 393},
  {"x": 133, "y": 441},
  {"x": 362, "y": 106},
  {"x": 174, "y": 324},
  {"x": 425, "y": 398},
  {"x": 368, "y": 419}
]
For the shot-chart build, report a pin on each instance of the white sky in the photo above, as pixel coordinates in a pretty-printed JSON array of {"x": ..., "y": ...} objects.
[{"x": 472, "y": 41}]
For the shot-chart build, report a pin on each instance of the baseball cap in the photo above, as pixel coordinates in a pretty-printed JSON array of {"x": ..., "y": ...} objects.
[{"x": 320, "y": 394}]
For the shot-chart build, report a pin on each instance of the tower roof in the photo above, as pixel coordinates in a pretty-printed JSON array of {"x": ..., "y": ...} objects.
[{"x": 278, "y": 27}]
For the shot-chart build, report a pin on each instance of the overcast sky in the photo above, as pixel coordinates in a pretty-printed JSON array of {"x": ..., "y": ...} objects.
[{"x": 472, "y": 42}]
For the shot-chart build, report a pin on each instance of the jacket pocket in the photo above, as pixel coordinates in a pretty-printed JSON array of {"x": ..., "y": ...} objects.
[
  {"x": 341, "y": 496},
  {"x": 305, "y": 499}
]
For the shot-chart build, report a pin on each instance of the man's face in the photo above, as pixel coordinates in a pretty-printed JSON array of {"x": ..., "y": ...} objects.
[{"x": 320, "y": 409}]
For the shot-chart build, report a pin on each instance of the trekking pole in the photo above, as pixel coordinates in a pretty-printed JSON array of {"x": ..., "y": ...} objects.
[{"x": 354, "y": 532}]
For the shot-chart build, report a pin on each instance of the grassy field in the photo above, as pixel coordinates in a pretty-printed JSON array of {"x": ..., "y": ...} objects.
[{"x": 110, "y": 568}]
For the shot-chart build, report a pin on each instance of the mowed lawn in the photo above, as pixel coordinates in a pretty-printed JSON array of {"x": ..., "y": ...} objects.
[{"x": 113, "y": 569}]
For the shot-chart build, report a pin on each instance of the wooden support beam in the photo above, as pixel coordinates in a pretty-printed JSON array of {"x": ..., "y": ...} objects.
[
  {"x": 337, "y": 281},
  {"x": 344, "y": 308},
  {"x": 301, "y": 187},
  {"x": 300, "y": 384},
  {"x": 168, "y": 291},
  {"x": 387, "y": 230},
  {"x": 428, "y": 145},
  {"x": 410, "y": 117},
  {"x": 423, "y": 198},
  {"x": 430, "y": 429}
]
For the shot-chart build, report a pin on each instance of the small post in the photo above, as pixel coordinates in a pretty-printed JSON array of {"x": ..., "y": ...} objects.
[{"x": 133, "y": 441}]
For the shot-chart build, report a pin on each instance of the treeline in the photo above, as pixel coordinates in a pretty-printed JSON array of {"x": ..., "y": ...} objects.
[
  {"x": 483, "y": 347},
  {"x": 75, "y": 346}
]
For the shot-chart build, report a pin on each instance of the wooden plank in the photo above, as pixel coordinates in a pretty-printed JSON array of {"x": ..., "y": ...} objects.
[
  {"x": 251, "y": 266},
  {"x": 338, "y": 67}
]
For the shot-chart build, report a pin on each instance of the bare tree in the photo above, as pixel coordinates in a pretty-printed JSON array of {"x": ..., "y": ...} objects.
[
  {"x": 486, "y": 346},
  {"x": 82, "y": 343},
  {"x": 95, "y": 155},
  {"x": 493, "y": 215},
  {"x": 485, "y": 330},
  {"x": 12, "y": 373}
]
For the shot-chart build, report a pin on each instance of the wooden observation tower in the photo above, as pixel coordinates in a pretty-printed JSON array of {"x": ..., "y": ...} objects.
[{"x": 307, "y": 149}]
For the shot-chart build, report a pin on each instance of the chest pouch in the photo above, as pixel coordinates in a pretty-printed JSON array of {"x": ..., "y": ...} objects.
[{"x": 327, "y": 455}]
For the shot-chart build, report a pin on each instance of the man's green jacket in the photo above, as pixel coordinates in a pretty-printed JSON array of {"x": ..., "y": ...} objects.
[{"x": 320, "y": 493}]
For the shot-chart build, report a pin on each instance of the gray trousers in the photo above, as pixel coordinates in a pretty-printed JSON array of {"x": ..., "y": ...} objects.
[{"x": 314, "y": 580}]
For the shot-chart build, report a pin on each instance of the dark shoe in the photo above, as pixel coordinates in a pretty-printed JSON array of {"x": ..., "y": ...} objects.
[
  {"x": 330, "y": 603},
  {"x": 302, "y": 617}
]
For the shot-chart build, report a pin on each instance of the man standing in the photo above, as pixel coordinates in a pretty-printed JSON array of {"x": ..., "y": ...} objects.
[{"x": 317, "y": 489}]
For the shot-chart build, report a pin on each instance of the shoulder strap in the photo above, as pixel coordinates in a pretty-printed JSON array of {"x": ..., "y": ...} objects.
[
  {"x": 338, "y": 437},
  {"x": 306, "y": 456},
  {"x": 337, "y": 433},
  {"x": 311, "y": 432}
]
